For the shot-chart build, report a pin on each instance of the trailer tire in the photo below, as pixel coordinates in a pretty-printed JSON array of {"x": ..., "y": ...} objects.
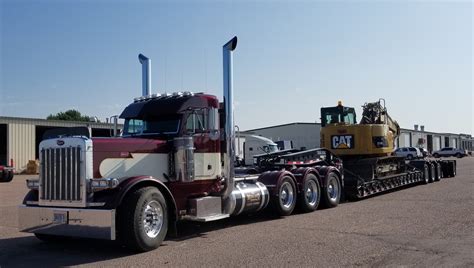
[
  {"x": 426, "y": 174},
  {"x": 309, "y": 198},
  {"x": 143, "y": 219},
  {"x": 331, "y": 195},
  {"x": 284, "y": 201}
]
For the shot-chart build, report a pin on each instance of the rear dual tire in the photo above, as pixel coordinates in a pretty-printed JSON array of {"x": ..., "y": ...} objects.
[
  {"x": 285, "y": 200},
  {"x": 331, "y": 195},
  {"x": 308, "y": 199}
]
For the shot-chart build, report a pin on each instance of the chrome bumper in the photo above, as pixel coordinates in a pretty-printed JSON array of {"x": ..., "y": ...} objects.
[{"x": 90, "y": 223}]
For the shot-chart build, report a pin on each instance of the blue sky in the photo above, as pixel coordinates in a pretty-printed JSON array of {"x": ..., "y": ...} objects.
[{"x": 292, "y": 58}]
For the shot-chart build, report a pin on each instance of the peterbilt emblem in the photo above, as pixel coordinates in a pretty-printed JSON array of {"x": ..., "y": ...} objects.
[{"x": 60, "y": 142}]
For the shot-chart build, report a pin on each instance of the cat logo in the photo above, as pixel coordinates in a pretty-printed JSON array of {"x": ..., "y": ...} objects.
[{"x": 342, "y": 142}]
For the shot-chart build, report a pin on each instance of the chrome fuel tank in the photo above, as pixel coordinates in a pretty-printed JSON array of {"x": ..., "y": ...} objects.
[{"x": 250, "y": 197}]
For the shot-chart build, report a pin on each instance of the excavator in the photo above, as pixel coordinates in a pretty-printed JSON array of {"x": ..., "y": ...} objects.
[{"x": 365, "y": 149}]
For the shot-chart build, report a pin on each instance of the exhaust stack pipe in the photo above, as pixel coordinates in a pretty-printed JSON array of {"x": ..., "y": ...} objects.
[
  {"x": 229, "y": 125},
  {"x": 146, "y": 76}
]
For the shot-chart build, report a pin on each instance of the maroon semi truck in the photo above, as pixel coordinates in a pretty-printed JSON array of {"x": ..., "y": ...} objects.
[{"x": 174, "y": 161}]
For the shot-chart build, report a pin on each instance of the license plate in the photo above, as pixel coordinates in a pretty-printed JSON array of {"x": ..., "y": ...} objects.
[{"x": 60, "y": 217}]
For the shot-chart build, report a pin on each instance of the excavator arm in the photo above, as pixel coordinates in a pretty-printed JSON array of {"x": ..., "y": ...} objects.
[{"x": 375, "y": 113}]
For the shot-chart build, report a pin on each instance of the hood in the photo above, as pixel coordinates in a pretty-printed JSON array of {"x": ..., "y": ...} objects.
[{"x": 123, "y": 148}]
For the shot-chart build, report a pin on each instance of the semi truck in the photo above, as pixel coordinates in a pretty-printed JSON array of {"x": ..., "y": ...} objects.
[
  {"x": 174, "y": 162},
  {"x": 249, "y": 146}
]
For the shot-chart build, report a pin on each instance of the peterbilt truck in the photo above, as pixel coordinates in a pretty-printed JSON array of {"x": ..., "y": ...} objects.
[{"x": 173, "y": 162}]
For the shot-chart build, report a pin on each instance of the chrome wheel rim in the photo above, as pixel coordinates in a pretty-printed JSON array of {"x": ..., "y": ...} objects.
[
  {"x": 333, "y": 189},
  {"x": 311, "y": 193},
  {"x": 286, "y": 195},
  {"x": 152, "y": 218}
]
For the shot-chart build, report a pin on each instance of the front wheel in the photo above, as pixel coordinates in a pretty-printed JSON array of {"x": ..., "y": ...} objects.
[
  {"x": 436, "y": 155},
  {"x": 143, "y": 219},
  {"x": 458, "y": 155},
  {"x": 409, "y": 157},
  {"x": 310, "y": 195},
  {"x": 332, "y": 193}
]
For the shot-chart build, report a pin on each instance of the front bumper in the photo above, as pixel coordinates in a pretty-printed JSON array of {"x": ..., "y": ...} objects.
[{"x": 75, "y": 222}]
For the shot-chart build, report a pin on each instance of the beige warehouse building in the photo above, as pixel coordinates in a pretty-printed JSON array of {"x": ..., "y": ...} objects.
[{"x": 20, "y": 137}]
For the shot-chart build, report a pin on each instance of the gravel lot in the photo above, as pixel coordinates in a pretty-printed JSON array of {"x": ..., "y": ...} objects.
[{"x": 426, "y": 225}]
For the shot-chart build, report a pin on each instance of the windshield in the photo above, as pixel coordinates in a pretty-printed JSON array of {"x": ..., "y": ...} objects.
[{"x": 134, "y": 127}]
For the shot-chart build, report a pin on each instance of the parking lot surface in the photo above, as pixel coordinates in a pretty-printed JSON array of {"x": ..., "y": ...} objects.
[{"x": 425, "y": 225}]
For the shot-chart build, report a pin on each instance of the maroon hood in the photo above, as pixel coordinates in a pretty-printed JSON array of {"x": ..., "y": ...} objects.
[{"x": 123, "y": 148}]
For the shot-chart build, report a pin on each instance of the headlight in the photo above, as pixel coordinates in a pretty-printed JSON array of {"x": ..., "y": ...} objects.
[
  {"x": 103, "y": 184},
  {"x": 32, "y": 184}
]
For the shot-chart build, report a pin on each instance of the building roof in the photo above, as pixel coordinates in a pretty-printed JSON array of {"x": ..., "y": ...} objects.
[
  {"x": 283, "y": 125},
  {"x": 53, "y": 123}
]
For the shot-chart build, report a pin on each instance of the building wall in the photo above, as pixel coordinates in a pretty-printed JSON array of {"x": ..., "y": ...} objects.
[
  {"x": 21, "y": 144},
  {"x": 21, "y": 136}
]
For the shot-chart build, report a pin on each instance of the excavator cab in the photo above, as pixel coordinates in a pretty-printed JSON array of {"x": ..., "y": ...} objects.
[{"x": 338, "y": 115}]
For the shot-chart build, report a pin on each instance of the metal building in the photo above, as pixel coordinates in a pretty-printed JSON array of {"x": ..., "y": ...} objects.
[{"x": 20, "y": 137}]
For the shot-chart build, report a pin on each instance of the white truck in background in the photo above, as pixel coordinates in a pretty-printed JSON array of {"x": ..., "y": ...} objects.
[{"x": 247, "y": 146}]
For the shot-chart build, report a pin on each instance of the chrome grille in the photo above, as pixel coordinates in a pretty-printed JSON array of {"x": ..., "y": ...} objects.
[{"x": 61, "y": 174}]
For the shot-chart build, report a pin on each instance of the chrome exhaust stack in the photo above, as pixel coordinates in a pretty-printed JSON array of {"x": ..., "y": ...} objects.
[
  {"x": 146, "y": 76},
  {"x": 229, "y": 158}
]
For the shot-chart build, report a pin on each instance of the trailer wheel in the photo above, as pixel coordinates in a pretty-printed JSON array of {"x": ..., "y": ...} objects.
[
  {"x": 143, "y": 219},
  {"x": 426, "y": 174},
  {"x": 310, "y": 195},
  {"x": 285, "y": 201},
  {"x": 332, "y": 193},
  {"x": 438, "y": 171}
]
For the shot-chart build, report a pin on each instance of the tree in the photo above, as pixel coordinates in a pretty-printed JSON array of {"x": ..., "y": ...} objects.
[{"x": 70, "y": 115}]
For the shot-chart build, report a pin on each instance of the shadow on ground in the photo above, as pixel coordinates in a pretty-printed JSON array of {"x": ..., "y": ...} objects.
[{"x": 30, "y": 251}]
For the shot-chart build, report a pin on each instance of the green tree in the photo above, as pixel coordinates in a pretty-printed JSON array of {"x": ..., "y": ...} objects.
[{"x": 70, "y": 115}]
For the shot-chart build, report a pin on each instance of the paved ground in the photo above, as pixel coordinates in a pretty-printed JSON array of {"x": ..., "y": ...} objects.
[{"x": 427, "y": 225}]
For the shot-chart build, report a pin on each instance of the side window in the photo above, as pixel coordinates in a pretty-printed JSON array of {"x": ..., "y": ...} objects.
[
  {"x": 197, "y": 122},
  {"x": 412, "y": 149}
]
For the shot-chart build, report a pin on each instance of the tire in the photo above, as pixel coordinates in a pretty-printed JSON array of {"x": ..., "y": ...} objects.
[
  {"x": 432, "y": 173},
  {"x": 285, "y": 200},
  {"x": 409, "y": 157},
  {"x": 458, "y": 155},
  {"x": 426, "y": 174},
  {"x": 309, "y": 198},
  {"x": 143, "y": 219},
  {"x": 331, "y": 194},
  {"x": 453, "y": 169},
  {"x": 436, "y": 155}
]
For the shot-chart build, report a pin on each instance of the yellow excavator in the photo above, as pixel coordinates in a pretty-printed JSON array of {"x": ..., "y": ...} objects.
[{"x": 366, "y": 149}]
